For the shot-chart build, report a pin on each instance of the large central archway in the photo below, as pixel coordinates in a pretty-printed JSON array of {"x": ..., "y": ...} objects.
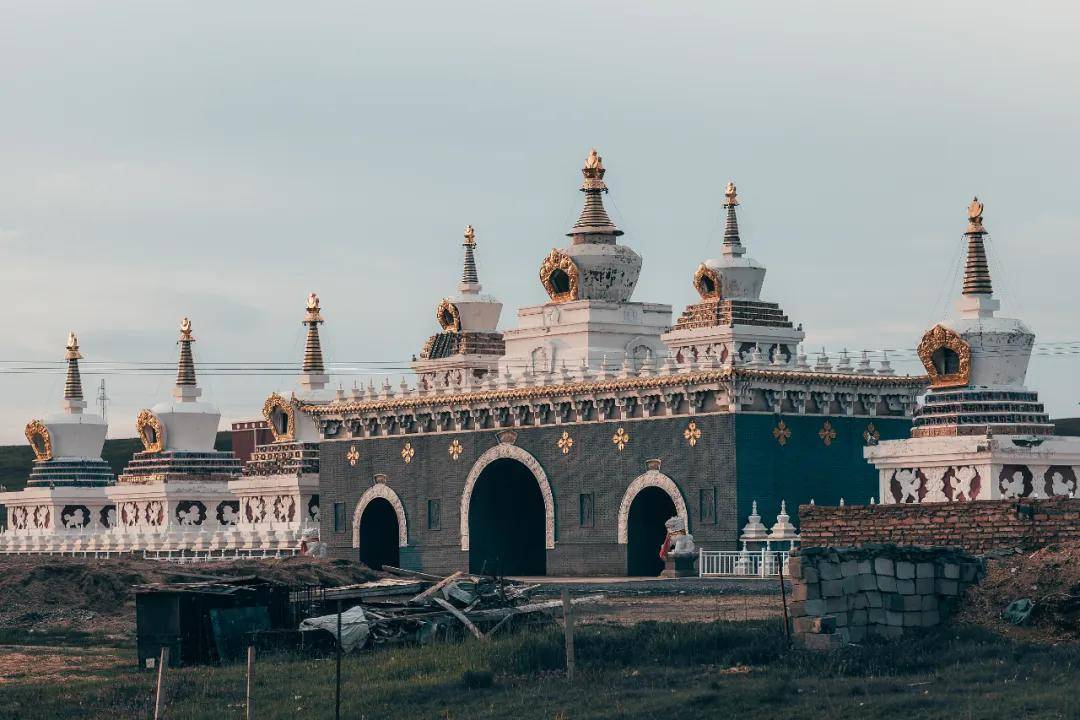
[{"x": 506, "y": 522}]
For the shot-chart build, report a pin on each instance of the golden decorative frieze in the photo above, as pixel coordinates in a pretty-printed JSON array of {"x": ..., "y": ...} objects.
[
  {"x": 40, "y": 440},
  {"x": 827, "y": 433},
  {"x": 150, "y": 430},
  {"x": 447, "y": 315},
  {"x": 560, "y": 276},
  {"x": 455, "y": 450},
  {"x": 621, "y": 439},
  {"x": 565, "y": 443},
  {"x": 942, "y": 338},
  {"x": 707, "y": 283},
  {"x": 692, "y": 433},
  {"x": 280, "y": 415},
  {"x": 407, "y": 453},
  {"x": 699, "y": 377},
  {"x": 353, "y": 456},
  {"x": 782, "y": 433}
]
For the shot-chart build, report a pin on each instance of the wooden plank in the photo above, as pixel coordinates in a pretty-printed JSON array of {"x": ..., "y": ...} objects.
[
  {"x": 436, "y": 587},
  {"x": 460, "y": 616},
  {"x": 411, "y": 573}
]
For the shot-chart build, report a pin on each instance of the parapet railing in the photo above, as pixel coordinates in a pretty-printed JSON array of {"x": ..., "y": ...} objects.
[{"x": 742, "y": 563}]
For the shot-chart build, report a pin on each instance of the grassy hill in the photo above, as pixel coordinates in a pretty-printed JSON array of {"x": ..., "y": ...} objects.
[{"x": 16, "y": 460}]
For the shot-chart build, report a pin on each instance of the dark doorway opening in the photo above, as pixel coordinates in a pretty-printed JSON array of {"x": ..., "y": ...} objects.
[
  {"x": 506, "y": 521},
  {"x": 379, "y": 535},
  {"x": 645, "y": 531}
]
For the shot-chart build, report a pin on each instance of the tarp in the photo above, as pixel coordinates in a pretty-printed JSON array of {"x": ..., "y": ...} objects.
[{"x": 354, "y": 627}]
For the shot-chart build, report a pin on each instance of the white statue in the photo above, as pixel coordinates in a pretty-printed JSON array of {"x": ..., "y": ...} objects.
[
  {"x": 678, "y": 542},
  {"x": 76, "y": 519}
]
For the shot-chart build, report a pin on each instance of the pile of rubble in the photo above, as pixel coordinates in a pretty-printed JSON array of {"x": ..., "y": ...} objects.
[
  {"x": 843, "y": 595},
  {"x": 1048, "y": 578},
  {"x": 415, "y": 607}
]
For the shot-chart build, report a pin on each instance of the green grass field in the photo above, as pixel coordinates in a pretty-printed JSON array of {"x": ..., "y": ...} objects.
[{"x": 652, "y": 670}]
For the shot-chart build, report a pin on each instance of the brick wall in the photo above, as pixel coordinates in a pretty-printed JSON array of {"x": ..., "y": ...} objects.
[
  {"x": 844, "y": 595},
  {"x": 594, "y": 465},
  {"x": 977, "y": 527}
]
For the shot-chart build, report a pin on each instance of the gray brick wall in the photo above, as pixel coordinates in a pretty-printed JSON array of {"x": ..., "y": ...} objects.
[{"x": 593, "y": 465}]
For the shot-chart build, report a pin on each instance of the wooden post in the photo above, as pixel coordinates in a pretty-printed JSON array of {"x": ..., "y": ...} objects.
[
  {"x": 568, "y": 632},
  {"x": 163, "y": 661},
  {"x": 783, "y": 598},
  {"x": 250, "y": 682},
  {"x": 337, "y": 692}
]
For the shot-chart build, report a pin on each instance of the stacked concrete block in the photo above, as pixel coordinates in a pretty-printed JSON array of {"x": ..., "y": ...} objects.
[{"x": 845, "y": 595}]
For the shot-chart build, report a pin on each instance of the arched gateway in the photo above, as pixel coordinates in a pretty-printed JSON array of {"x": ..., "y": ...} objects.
[
  {"x": 507, "y": 513},
  {"x": 379, "y": 527},
  {"x": 649, "y": 501}
]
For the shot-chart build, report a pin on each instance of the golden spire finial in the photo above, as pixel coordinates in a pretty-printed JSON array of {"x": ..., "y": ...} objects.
[
  {"x": 470, "y": 235},
  {"x": 593, "y": 172},
  {"x": 72, "y": 347},
  {"x": 313, "y": 309},
  {"x": 730, "y": 195},
  {"x": 185, "y": 330},
  {"x": 975, "y": 213}
]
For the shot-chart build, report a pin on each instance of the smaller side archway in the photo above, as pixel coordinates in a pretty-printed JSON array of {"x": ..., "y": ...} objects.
[
  {"x": 652, "y": 478},
  {"x": 385, "y": 492}
]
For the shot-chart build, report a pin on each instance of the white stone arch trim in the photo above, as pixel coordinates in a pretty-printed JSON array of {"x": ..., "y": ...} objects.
[
  {"x": 652, "y": 478},
  {"x": 513, "y": 452},
  {"x": 380, "y": 490}
]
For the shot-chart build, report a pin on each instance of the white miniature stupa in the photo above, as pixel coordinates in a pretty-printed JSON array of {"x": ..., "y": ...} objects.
[
  {"x": 469, "y": 346},
  {"x": 980, "y": 433},
  {"x": 732, "y": 322},
  {"x": 65, "y": 498}
]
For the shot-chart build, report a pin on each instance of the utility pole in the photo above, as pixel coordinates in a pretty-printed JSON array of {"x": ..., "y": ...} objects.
[{"x": 102, "y": 400}]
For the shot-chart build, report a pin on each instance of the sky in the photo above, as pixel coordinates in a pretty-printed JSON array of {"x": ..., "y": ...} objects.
[{"x": 222, "y": 160}]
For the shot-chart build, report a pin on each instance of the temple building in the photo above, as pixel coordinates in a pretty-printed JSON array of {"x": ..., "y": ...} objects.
[
  {"x": 600, "y": 421},
  {"x": 980, "y": 433}
]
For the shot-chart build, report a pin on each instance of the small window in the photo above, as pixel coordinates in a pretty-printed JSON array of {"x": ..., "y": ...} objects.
[
  {"x": 560, "y": 281},
  {"x": 587, "y": 510},
  {"x": 946, "y": 361},
  {"x": 339, "y": 517},
  {"x": 434, "y": 515},
  {"x": 707, "y": 506}
]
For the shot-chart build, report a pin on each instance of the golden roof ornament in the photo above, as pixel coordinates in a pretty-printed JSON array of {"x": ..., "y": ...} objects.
[
  {"x": 730, "y": 195},
  {"x": 470, "y": 236},
  {"x": 185, "y": 330},
  {"x": 975, "y": 220},
  {"x": 594, "y": 173},
  {"x": 313, "y": 309},
  {"x": 72, "y": 347}
]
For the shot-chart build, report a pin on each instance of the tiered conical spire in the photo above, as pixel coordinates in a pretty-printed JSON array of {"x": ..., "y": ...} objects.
[
  {"x": 185, "y": 369},
  {"x": 732, "y": 242},
  {"x": 976, "y": 271},
  {"x": 73, "y": 382},
  {"x": 313, "y": 357},
  {"x": 469, "y": 279},
  {"x": 594, "y": 219}
]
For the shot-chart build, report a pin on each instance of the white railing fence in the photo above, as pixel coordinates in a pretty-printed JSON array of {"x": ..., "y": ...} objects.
[{"x": 741, "y": 563}]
